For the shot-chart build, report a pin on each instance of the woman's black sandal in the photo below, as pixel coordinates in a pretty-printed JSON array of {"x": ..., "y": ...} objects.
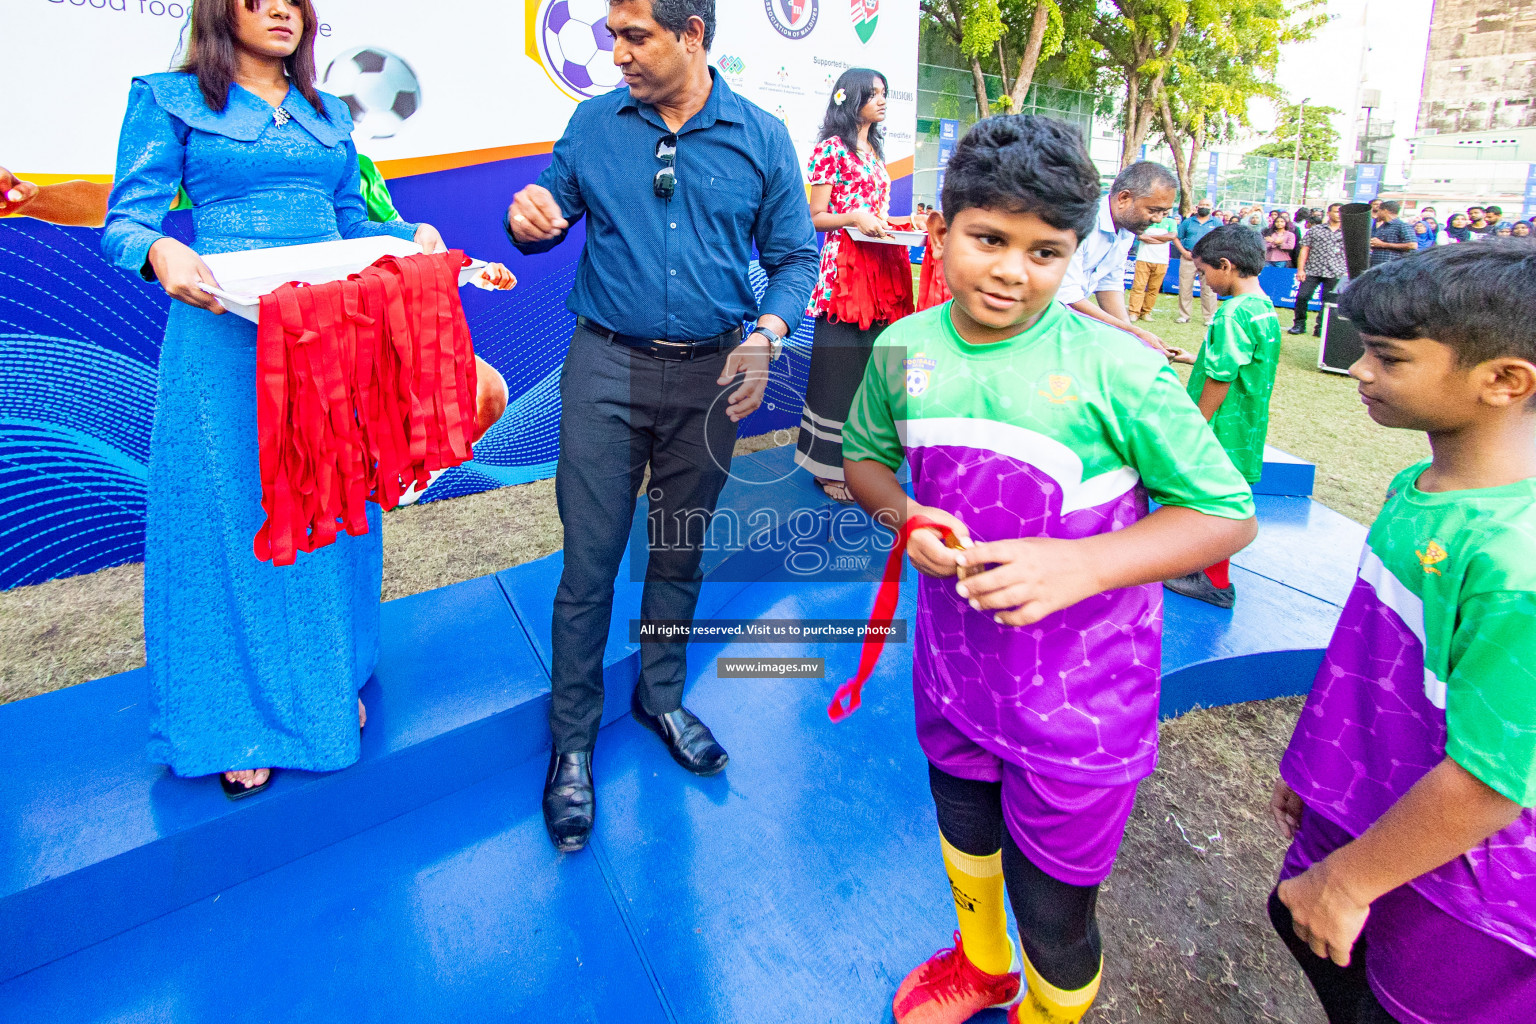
[{"x": 236, "y": 791}]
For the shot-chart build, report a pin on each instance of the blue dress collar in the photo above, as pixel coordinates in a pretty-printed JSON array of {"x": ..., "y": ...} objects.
[{"x": 245, "y": 115}]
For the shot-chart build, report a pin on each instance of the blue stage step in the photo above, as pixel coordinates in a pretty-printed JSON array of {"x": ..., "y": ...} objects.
[{"x": 98, "y": 842}]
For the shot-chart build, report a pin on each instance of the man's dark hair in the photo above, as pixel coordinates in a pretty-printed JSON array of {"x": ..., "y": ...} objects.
[
  {"x": 1392, "y": 206},
  {"x": 1024, "y": 163},
  {"x": 1143, "y": 178},
  {"x": 673, "y": 16},
  {"x": 1475, "y": 298},
  {"x": 1471, "y": 208},
  {"x": 1238, "y": 244},
  {"x": 1493, "y": 209}
]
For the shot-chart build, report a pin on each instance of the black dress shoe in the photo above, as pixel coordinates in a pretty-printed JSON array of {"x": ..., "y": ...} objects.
[
  {"x": 1296, "y": 329},
  {"x": 569, "y": 803},
  {"x": 689, "y": 740}
]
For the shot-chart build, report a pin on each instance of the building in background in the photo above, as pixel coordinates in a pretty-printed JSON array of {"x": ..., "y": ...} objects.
[
  {"x": 1476, "y": 133},
  {"x": 1480, "y": 71}
]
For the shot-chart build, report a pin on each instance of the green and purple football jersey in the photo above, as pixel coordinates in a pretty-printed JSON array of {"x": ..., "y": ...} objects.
[
  {"x": 1434, "y": 656},
  {"x": 1063, "y": 431},
  {"x": 1242, "y": 348}
]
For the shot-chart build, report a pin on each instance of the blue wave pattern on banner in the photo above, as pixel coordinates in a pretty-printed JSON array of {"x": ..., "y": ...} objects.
[{"x": 79, "y": 342}]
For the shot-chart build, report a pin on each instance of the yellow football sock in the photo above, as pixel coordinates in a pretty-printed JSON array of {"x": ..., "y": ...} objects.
[
  {"x": 1044, "y": 1003},
  {"x": 977, "y": 885}
]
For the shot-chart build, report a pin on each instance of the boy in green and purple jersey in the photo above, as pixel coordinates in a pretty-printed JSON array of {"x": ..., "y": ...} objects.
[
  {"x": 1409, "y": 892},
  {"x": 1038, "y": 436},
  {"x": 1234, "y": 374}
]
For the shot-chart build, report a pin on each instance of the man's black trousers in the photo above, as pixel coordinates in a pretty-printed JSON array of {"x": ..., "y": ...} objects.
[
  {"x": 621, "y": 412},
  {"x": 1304, "y": 295}
]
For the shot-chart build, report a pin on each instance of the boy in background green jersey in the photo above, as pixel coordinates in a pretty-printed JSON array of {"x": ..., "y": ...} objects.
[
  {"x": 1409, "y": 892},
  {"x": 1234, "y": 374}
]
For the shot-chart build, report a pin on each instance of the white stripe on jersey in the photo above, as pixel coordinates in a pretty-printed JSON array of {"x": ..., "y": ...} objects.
[
  {"x": 1046, "y": 454},
  {"x": 1409, "y": 607}
]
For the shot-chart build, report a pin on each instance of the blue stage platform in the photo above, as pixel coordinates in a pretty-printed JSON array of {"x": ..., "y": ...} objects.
[{"x": 419, "y": 885}]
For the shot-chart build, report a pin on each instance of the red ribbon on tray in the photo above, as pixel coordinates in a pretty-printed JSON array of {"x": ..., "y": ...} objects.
[
  {"x": 847, "y": 699},
  {"x": 873, "y": 283},
  {"x": 363, "y": 387}
]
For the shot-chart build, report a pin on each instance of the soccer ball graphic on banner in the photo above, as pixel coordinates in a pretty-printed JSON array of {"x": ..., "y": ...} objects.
[
  {"x": 378, "y": 87},
  {"x": 576, "y": 48}
]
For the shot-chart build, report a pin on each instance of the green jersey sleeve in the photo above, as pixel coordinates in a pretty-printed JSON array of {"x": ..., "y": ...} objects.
[
  {"x": 381, "y": 208},
  {"x": 1490, "y": 702},
  {"x": 1179, "y": 459},
  {"x": 1229, "y": 345},
  {"x": 870, "y": 432}
]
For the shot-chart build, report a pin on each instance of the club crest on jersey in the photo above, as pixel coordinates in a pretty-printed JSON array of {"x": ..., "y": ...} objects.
[
  {"x": 1056, "y": 388},
  {"x": 1432, "y": 556},
  {"x": 919, "y": 374}
]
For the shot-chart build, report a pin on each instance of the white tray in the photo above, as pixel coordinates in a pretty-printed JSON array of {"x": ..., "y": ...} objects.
[
  {"x": 906, "y": 238},
  {"x": 244, "y": 277}
]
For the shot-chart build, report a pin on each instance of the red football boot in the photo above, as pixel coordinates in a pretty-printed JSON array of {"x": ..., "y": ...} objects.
[{"x": 949, "y": 989}]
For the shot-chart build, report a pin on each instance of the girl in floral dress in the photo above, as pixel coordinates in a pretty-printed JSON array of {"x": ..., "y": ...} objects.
[{"x": 863, "y": 286}]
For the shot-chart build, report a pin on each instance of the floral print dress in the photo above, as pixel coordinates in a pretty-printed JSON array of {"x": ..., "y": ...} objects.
[{"x": 859, "y": 181}]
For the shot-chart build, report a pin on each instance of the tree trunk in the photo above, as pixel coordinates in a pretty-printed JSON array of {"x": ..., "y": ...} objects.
[
  {"x": 979, "y": 80},
  {"x": 1031, "y": 58},
  {"x": 1182, "y": 169},
  {"x": 1132, "y": 113},
  {"x": 1002, "y": 63}
]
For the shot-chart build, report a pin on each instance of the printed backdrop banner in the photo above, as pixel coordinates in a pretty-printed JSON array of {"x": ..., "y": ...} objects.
[{"x": 460, "y": 104}]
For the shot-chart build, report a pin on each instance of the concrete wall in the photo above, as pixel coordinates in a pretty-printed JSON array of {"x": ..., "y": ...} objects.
[{"x": 1480, "y": 71}]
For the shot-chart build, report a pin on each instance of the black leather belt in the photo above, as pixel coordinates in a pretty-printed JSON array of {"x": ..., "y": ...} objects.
[{"x": 659, "y": 348}]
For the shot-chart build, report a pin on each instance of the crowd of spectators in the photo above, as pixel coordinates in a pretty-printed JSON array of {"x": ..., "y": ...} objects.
[{"x": 1285, "y": 233}]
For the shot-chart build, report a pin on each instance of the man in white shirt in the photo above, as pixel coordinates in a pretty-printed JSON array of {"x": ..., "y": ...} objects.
[
  {"x": 1151, "y": 268},
  {"x": 1142, "y": 195}
]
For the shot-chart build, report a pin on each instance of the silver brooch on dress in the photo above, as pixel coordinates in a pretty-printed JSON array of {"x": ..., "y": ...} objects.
[{"x": 281, "y": 117}]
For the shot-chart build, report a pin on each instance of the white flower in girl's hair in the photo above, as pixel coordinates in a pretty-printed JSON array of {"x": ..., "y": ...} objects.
[{"x": 840, "y": 97}]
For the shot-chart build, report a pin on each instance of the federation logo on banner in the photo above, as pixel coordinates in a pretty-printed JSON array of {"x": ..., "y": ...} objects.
[
  {"x": 570, "y": 40},
  {"x": 866, "y": 15},
  {"x": 794, "y": 19}
]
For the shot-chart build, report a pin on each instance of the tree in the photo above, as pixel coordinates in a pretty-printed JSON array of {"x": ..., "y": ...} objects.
[
  {"x": 1217, "y": 70},
  {"x": 1138, "y": 39},
  {"x": 1319, "y": 138},
  {"x": 976, "y": 26},
  {"x": 1208, "y": 57},
  {"x": 1040, "y": 41}
]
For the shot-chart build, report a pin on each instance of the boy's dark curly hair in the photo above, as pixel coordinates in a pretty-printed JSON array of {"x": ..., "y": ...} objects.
[
  {"x": 1476, "y": 298},
  {"x": 1024, "y": 164},
  {"x": 1238, "y": 244}
]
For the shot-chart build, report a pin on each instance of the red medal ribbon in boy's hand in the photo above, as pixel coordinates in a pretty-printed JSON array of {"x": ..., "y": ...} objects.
[{"x": 885, "y": 607}]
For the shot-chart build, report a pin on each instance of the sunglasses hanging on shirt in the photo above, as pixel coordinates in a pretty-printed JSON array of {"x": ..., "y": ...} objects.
[{"x": 665, "y": 182}]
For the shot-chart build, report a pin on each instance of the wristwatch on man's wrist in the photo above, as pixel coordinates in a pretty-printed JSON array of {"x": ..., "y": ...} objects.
[{"x": 775, "y": 340}]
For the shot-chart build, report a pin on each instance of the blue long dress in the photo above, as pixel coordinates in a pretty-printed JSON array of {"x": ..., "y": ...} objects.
[{"x": 250, "y": 665}]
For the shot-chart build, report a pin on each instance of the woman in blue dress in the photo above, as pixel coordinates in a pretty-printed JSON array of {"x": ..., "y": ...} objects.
[{"x": 252, "y": 667}]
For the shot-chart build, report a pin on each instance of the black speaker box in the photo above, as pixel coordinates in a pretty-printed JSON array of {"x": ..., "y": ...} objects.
[{"x": 1341, "y": 342}]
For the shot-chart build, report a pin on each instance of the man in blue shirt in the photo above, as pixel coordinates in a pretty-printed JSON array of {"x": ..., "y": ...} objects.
[
  {"x": 1191, "y": 230},
  {"x": 678, "y": 178}
]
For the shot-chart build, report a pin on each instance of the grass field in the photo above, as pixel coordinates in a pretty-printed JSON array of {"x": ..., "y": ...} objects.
[{"x": 1186, "y": 937}]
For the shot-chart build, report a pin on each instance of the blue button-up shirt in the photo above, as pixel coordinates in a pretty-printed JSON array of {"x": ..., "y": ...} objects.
[
  {"x": 677, "y": 269},
  {"x": 1191, "y": 230}
]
